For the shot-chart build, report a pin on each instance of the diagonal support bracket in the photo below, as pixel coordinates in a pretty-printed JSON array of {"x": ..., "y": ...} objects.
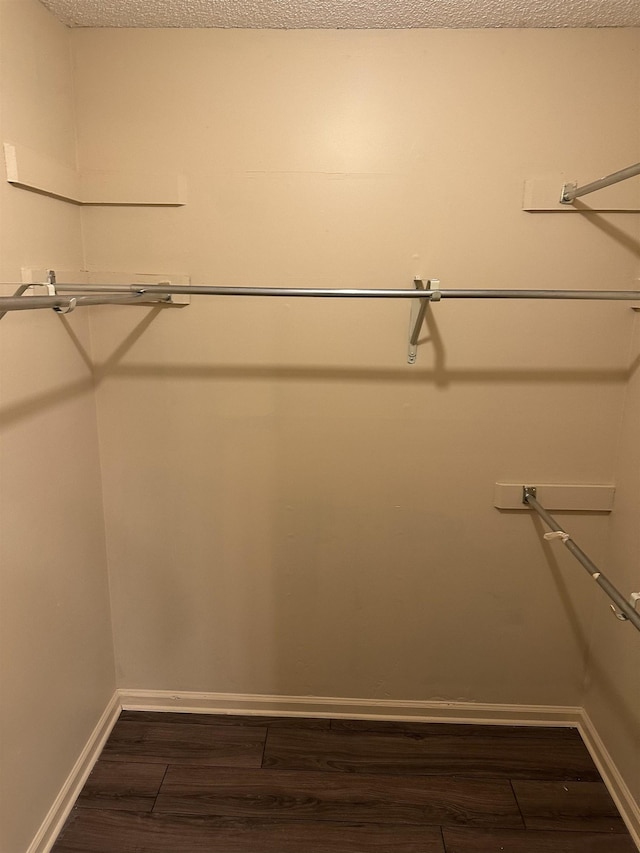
[{"x": 418, "y": 313}]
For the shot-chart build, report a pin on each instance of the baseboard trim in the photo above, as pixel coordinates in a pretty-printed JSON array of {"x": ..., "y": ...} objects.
[
  {"x": 389, "y": 709},
  {"x": 622, "y": 796},
  {"x": 331, "y": 706},
  {"x": 59, "y": 811},
  {"x": 345, "y": 708}
]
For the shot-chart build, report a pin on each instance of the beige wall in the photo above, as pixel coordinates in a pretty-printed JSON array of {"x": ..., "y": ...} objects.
[
  {"x": 290, "y": 508},
  {"x": 613, "y": 689},
  {"x": 56, "y": 672},
  {"x": 612, "y": 696}
]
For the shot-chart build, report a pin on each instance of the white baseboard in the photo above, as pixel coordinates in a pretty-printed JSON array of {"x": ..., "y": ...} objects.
[
  {"x": 330, "y": 706},
  {"x": 345, "y": 708},
  {"x": 59, "y": 811},
  {"x": 622, "y": 797},
  {"x": 389, "y": 709}
]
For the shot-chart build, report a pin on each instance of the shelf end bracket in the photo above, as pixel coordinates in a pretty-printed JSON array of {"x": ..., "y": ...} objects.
[{"x": 418, "y": 313}]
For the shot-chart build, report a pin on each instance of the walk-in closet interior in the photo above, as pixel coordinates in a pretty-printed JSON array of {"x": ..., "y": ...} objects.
[{"x": 315, "y": 507}]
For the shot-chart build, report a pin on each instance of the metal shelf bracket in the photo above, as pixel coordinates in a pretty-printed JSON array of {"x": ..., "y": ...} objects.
[{"x": 418, "y": 313}]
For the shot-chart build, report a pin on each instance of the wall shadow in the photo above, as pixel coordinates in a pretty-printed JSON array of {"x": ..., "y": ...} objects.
[
  {"x": 569, "y": 607},
  {"x": 14, "y": 412},
  {"x": 105, "y": 368},
  {"x": 34, "y": 405},
  {"x": 597, "y": 218},
  {"x": 406, "y": 375},
  {"x": 621, "y": 237},
  {"x": 621, "y": 705}
]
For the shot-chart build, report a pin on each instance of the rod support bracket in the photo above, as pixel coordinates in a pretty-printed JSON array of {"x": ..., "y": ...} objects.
[
  {"x": 52, "y": 291},
  {"x": 528, "y": 492},
  {"x": 566, "y": 196},
  {"x": 51, "y": 282},
  {"x": 634, "y": 601},
  {"x": 46, "y": 287},
  {"x": 68, "y": 308},
  {"x": 418, "y": 311},
  {"x": 618, "y": 614},
  {"x": 171, "y": 300}
]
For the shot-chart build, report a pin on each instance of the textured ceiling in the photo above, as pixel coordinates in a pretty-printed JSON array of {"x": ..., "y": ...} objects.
[{"x": 346, "y": 14}]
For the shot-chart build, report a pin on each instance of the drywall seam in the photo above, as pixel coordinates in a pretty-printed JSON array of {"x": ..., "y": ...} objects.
[{"x": 62, "y": 805}]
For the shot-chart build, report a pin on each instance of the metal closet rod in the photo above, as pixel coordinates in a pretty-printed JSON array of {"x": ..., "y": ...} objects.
[
  {"x": 432, "y": 295},
  {"x": 572, "y": 191},
  {"x": 65, "y": 299},
  {"x": 66, "y": 304},
  {"x": 625, "y": 611}
]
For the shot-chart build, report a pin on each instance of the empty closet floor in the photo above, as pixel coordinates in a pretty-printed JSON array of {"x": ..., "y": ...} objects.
[{"x": 195, "y": 783}]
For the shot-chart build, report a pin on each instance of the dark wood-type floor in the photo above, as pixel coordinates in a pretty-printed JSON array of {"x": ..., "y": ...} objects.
[{"x": 196, "y": 783}]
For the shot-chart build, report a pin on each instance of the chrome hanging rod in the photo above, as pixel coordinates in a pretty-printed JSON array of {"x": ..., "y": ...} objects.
[
  {"x": 66, "y": 299},
  {"x": 66, "y": 304},
  {"x": 433, "y": 295},
  {"x": 570, "y": 192},
  {"x": 624, "y": 611},
  {"x": 21, "y": 289}
]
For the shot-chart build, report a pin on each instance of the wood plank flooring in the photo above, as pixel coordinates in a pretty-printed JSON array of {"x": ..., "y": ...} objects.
[{"x": 199, "y": 783}]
